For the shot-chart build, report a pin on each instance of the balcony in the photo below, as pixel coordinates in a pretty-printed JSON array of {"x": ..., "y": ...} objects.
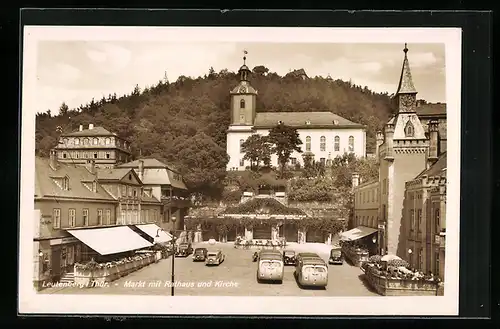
[
  {"x": 440, "y": 240},
  {"x": 176, "y": 201}
]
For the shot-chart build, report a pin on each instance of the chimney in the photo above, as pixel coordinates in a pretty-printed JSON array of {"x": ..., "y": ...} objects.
[
  {"x": 355, "y": 180},
  {"x": 433, "y": 142},
  {"x": 389, "y": 135},
  {"x": 380, "y": 141},
  {"x": 91, "y": 126},
  {"x": 53, "y": 159},
  {"x": 81, "y": 128},
  {"x": 141, "y": 169},
  {"x": 91, "y": 166}
]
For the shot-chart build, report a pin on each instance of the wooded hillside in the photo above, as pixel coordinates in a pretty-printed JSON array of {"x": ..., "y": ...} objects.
[{"x": 184, "y": 123}]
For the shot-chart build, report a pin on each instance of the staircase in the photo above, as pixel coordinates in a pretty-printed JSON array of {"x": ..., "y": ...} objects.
[{"x": 68, "y": 278}]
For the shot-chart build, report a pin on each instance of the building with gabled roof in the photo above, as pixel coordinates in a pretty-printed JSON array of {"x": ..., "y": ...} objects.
[
  {"x": 167, "y": 185},
  {"x": 105, "y": 148},
  {"x": 323, "y": 133},
  {"x": 76, "y": 205}
]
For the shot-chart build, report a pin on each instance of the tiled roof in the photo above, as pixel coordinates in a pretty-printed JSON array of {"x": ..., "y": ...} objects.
[
  {"x": 96, "y": 131},
  {"x": 156, "y": 173},
  {"x": 437, "y": 169},
  {"x": 148, "y": 163},
  {"x": 268, "y": 206},
  {"x": 303, "y": 119},
  {"x": 431, "y": 109},
  {"x": 112, "y": 174},
  {"x": 45, "y": 185}
]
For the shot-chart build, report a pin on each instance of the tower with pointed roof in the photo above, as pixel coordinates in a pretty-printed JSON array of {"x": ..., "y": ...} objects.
[{"x": 402, "y": 156}]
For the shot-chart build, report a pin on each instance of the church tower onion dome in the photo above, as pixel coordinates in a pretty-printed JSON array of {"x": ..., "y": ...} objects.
[{"x": 244, "y": 86}]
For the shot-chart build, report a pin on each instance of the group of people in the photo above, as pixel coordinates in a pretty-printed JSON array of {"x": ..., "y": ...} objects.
[
  {"x": 401, "y": 272},
  {"x": 264, "y": 243}
]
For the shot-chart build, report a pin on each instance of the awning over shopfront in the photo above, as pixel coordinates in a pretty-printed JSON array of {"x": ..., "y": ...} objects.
[
  {"x": 357, "y": 233},
  {"x": 152, "y": 230},
  {"x": 111, "y": 240}
]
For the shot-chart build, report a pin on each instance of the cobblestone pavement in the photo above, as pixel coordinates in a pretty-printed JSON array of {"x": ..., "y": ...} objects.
[{"x": 236, "y": 276}]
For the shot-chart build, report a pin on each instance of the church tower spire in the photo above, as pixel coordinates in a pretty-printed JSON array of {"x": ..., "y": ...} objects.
[
  {"x": 406, "y": 95},
  {"x": 243, "y": 98}
]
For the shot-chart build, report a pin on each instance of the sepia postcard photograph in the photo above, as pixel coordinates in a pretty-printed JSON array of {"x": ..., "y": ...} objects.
[{"x": 242, "y": 171}]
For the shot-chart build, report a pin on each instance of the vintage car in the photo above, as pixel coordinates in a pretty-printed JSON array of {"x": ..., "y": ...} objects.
[
  {"x": 312, "y": 272},
  {"x": 214, "y": 258},
  {"x": 289, "y": 257},
  {"x": 200, "y": 254},
  {"x": 184, "y": 249},
  {"x": 270, "y": 266},
  {"x": 301, "y": 255},
  {"x": 336, "y": 256}
]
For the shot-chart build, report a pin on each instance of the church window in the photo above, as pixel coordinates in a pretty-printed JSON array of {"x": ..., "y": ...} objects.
[
  {"x": 308, "y": 143},
  {"x": 322, "y": 143},
  {"x": 241, "y": 145},
  {"x": 409, "y": 129},
  {"x": 242, "y": 104},
  {"x": 64, "y": 155},
  {"x": 351, "y": 144},
  {"x": 336, "y": 144},
  {"x": 95, "y": 141}
]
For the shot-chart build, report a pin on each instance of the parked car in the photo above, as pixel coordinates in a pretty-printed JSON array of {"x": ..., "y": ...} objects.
[
  {"x": 270, "y": 266},
  {"x": 214, "y": 258},
  {"x": 289, "y": 257},
  {"x": 184, "y": 249},
  {"x": 336, "y": 256},
  {"x": 200, "y": 254}
]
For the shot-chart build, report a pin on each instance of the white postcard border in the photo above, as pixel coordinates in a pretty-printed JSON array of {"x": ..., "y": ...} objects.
[{"x": 31, "y": 302}]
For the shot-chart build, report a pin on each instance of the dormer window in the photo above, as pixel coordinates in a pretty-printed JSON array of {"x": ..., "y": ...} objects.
[
  {"x": 335, "y": 122},
  {"x": 409, "y": 129},
  {"x": 65, "y": 183},
  {"x": 308, "y": 122},
  {"x": 77, "y": 141},
  {"x": 129, "y": 176},
  {"x": 95, "y": 141},
  {"x": 280, "y": 122},
  {"x": 107, "y": 141}
]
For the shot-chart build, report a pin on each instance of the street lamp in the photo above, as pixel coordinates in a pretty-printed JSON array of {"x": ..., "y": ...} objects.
[
  {"x": 173, "y": 256},
  {"x": 374, "y": 239}
]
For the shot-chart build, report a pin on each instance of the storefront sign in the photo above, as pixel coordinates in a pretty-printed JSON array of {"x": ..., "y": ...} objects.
[
  {"x": 54, "y": 242},
  {"x": 381, "y": 226}
]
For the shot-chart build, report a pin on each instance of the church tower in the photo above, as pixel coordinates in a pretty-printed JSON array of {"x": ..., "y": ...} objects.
[
  {"x": 243, "y": 110},
  {"x": 403, "y": 157},
  {"x": 243, "y": 98}
]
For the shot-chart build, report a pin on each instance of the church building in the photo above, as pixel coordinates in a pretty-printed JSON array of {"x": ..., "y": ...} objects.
[{"x": 324, "y": 134}]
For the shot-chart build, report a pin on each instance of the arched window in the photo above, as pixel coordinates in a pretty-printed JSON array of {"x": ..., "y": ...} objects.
[
  {"x": 322, "y": 143},
  {"x": 409, "y": 129},
  {"x": 241, "y": 145},
  {"x": 308, "y": 143},
  {"x": 336, "y": 144},
  {"x": 95, "y": 141},
  {"x": 77, "y": 141},
  {"x": 85, "y": 141},
  {"x": 242, "y": 104},
  {"x": 351, "y": 144}
]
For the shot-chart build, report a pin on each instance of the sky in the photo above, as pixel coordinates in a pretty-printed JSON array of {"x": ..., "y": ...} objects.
[{"x": 74, "y": 72}]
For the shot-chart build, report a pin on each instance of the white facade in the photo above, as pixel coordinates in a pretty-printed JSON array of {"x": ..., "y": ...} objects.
[
  {"x": 329, "y": 151},
  {"x": 325, "y": 134}
]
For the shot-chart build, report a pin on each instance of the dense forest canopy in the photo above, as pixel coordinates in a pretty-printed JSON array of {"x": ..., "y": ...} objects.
[{"x": 184, "y": 123}]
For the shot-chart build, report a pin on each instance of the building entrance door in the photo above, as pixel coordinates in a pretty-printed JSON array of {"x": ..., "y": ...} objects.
[{"x": 56, "y": 263}]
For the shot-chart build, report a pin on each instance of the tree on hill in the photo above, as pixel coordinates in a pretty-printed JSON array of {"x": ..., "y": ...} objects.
[
  {"x": 285, "y": 140},
  {"x": 257, "y": 150},
  {"x": 156, "y": 120},
  {"x": 203, "y": 163}
]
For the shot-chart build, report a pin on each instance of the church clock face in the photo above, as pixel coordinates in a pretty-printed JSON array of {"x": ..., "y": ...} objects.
[
  {"x": 407, "y": 100},
  {"x": 243, "y": 90}
]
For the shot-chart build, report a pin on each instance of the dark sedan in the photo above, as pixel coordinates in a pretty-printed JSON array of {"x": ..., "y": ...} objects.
[
  {"x": 289, "y": 257},
  {"x": 184, "y": 249},
  {"x": 200, "y": 254}
]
